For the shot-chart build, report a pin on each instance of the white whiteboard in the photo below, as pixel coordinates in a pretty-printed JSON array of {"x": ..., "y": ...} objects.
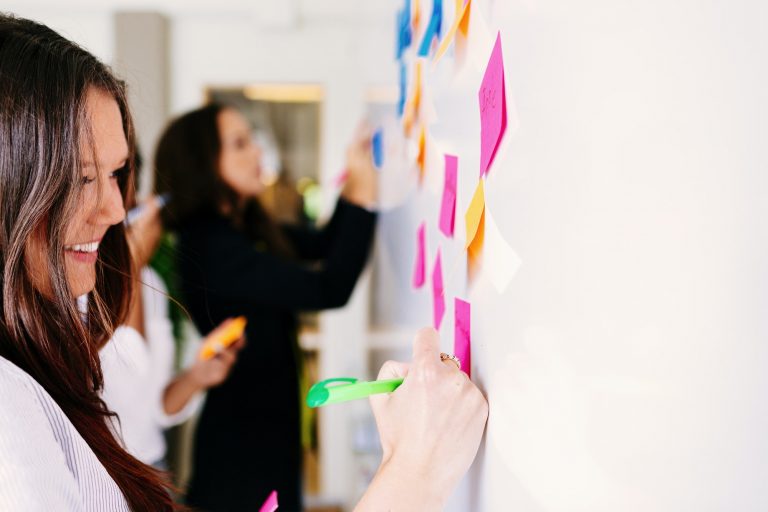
[{"x": 626, "y": 363}]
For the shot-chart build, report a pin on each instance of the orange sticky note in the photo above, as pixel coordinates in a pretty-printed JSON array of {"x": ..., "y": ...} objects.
[
  {"x": 461, "y": 23},
  {"x": 412, "y": 108},
  {"x": 422, "y": 152}
]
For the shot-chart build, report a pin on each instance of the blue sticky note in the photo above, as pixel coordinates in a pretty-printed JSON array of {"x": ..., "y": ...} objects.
[
  {"x": 433, "y": 29},
  {"x": 378, "y": 151},
  {"x": 403, "y": 90},
  {"x": 404, "y": 35}
]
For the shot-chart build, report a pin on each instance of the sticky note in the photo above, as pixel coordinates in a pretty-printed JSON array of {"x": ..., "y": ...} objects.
[
  {"x": 438, "y": 300},
  {"x": 462, "y": 335},
  {"x": 404, "y": 34},
  {"x": 474, "y": 215},
  {"x": 403, "y": 89},
  {"x": 412, "y": 107},
  {"x": 500, "y": 261},
  {"x": 493, "y": 107},
  {"x": 271, "y": 504},
  {"x": 422, "y": 152},
  {"x": 460, "y": 23},
  {"x": 448, "y": 204},
  {"x": 475, "y": 224},
  {"x": 433, "y": 29},
  {"x": 377, "y": 149},
  {"x": 420, "y": 270}
]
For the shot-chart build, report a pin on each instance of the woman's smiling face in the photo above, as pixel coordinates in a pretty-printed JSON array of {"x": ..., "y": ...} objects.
[{"x": 100, "y": 202}]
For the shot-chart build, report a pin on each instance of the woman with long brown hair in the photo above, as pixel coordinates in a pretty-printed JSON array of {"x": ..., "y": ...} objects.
[{"x": 66, "y": 156}]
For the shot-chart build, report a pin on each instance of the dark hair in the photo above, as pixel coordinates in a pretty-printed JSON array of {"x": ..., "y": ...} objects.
[
  {"x": 44, "y": 82},
  {"x": 187, "y": 167}
]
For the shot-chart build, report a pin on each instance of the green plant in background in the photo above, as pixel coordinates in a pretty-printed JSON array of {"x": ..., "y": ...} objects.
[{"x": 164, "y": 263}]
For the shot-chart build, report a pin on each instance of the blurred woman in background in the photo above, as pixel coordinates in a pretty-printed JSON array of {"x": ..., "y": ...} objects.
[{"x": 234, "y": 260}]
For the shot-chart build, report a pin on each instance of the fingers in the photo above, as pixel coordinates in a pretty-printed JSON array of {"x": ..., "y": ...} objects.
[
  {"x": 389, "y": 370},
  {"x": 426, "y": 348},
  {"x": 393, "y": 370}
]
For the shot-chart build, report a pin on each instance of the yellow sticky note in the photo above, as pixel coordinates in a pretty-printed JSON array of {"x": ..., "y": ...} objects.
[
  {"x": 475, "y": 216},
  {"x": 461, "y": 22}
]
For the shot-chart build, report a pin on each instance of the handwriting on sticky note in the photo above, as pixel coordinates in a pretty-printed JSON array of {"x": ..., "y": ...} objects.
[
  {"x": 448, "y": 203},
  {"x": 493, "y": 107},
  {"x": 462, "y": 335},
  {"x": 438, "y": 300},
  {"x": 271, "y": 504},
  {"x": 419, "y": 271}
]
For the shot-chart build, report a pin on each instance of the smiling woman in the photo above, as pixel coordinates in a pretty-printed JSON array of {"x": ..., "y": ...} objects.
[{"x": 66, "y": 152}]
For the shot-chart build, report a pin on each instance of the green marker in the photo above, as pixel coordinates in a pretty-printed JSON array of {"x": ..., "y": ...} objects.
[{"x": 343, "y": 389}]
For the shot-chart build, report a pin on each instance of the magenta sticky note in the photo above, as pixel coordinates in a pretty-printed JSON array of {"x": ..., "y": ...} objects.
[
  {"x": 493, "y": 107},
  {"x": 420, "y": 269},
  {"x": 438, "y": 299},
  {"x": 448, "y": 205},
  {"x": 462, "y": 335},
  {"x": 271, "y": 504}
]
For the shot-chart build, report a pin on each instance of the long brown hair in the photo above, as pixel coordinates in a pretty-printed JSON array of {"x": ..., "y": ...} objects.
[
  {"x": 187, "y": 167},
  {"x": 44, "y": 80}
]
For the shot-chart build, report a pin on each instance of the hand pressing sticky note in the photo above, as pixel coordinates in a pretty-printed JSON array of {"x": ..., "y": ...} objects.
[
  {"x": 462, "y": 335},
  {"x": 377, "y": 149},
  {"x": 271, "y": 504},
  {"x": 419, "y": 271},
  {"x": 438, "y": 298},
  {"x": 448, "y": 204},
  {"x": 493, "y": 107}
]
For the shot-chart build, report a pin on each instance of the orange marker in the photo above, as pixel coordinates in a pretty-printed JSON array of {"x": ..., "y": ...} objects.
[{"x": 225, "y": 336}]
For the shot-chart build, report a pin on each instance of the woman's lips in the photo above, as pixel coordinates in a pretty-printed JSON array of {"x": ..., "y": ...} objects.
[{"x": 84, "y": 253}]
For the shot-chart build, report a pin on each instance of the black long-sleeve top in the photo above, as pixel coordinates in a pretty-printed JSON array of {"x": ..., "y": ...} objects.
[{"x": 248, "y": 436}]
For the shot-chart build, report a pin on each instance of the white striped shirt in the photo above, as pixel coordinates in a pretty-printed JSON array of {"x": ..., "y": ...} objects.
[{"x": 44, "y": 462}]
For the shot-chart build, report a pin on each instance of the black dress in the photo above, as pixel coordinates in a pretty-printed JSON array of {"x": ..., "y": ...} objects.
[{"x": 248, "y": 437}]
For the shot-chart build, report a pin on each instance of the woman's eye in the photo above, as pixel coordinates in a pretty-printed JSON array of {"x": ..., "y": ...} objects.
[
  {"x": 116, "y": 173},
  {"x": 87, "y": 180}
]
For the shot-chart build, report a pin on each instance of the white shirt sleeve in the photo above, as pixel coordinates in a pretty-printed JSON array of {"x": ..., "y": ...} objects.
[
  {"x": 33, "y": 471},
  {"x": 159, "y": 335}
]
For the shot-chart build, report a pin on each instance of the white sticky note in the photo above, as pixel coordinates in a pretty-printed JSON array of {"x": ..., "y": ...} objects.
[{"x": 500, "y": 261}]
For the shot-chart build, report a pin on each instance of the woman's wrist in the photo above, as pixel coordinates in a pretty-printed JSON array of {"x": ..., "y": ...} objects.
[{"x": 403, "y": 487}]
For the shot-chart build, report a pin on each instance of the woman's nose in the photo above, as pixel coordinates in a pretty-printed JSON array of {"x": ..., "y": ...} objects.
[{"x": 111, "y": 209}]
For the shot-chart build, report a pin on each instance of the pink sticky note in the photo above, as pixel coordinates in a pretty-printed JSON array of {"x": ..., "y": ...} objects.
[
  {"x": 448, "y": 206},
  {"x": 438, "y": 301},
  {"x": 462, "y": 335},
  {"x": 420, "y": 270},
  {"x": 493, "y": 107},
  {"x": 271, "y": 504}
]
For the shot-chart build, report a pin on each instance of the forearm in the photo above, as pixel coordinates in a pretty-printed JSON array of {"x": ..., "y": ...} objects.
[
  {"x": 394, "y": 489},
  {"x": 179, "y": 392}
]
